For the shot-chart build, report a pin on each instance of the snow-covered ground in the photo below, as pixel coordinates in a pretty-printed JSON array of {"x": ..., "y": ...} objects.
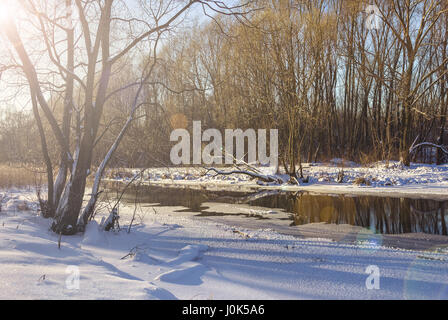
[
  {"x": 419, "y": 180},
  {"x": 172, "y": 256}
]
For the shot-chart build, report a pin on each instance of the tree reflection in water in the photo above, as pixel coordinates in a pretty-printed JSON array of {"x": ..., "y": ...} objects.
[
  {"x": 380, "y": 214},
  {"x": 383, "y": 215}
]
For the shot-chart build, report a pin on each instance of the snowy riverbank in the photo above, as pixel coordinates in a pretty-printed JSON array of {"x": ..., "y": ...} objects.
[
  {"x": 419, "y": 180},
  {"x": 172, "y": 256}
]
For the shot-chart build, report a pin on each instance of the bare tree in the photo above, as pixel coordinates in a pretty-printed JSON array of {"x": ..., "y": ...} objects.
[{"x": 84, "y": 41}]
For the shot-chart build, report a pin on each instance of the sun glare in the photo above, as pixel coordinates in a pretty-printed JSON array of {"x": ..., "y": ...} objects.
[{"x": 6, "y": 11}]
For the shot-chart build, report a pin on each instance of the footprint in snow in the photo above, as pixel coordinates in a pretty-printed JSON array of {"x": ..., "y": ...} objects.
[
  {"x": 172, "y": 226},
  {"x": 155, "y": 293},
  {"x": 189, "y": 274},
  {"x": 188, "y": 253},
  {"x": 186, "y": 271}
]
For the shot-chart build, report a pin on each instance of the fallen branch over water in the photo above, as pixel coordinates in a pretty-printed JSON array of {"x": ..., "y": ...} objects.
[{"x": 261, "y": 177}]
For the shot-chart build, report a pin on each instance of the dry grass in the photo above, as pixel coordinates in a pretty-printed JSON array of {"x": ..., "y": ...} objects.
[
  {"x": 362, "y": 181},
  {"x": 21, "y": 176}
]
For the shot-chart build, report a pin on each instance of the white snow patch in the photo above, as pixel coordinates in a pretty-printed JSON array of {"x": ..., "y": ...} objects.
[{"x": 205, "y": 260}]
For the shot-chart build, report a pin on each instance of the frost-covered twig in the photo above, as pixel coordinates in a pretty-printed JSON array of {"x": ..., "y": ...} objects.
[
  {"x": 135, "y": 205},
  {"x": 265, "y": 178},
  {"x": 138, "y": 175},
  {"x": 429, "y": 144},
  {"x": 239, "y": 162},
  {"x": 112, "y": 221}
]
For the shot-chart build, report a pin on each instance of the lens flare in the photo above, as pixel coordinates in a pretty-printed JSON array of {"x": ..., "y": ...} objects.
[
  {"x": 369, "y": 240},
  {"x": 418, "y": 277}
]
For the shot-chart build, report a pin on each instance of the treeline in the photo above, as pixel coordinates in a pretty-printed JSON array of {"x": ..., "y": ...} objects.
[{"x": 334, "y": 83}]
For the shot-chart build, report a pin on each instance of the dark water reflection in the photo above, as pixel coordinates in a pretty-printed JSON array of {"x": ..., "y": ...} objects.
[{"x": 382, "y": 215}]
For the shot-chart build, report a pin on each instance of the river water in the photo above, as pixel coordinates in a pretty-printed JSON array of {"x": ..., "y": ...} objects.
[{"x": 379, "y": 214}]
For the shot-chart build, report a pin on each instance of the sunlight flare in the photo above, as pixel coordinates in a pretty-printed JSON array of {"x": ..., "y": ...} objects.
[{"x": 7, "y": 11}]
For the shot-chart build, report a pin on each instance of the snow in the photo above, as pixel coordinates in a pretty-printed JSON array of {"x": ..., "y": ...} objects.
[
  {"x": 177, "y": 256},
  {"x": 17, "y": 202},
  {"x": 418, "y": 180}
]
